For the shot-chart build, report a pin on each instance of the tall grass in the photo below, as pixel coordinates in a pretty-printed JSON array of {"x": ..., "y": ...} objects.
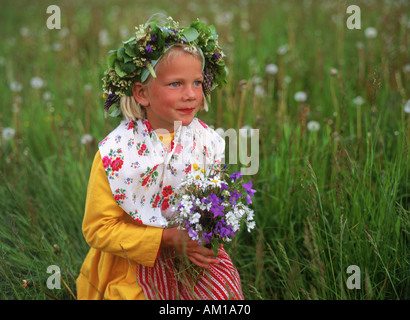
[{"x": 326, "y": 199}]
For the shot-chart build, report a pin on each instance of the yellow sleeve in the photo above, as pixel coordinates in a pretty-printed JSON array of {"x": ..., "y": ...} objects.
[{"x": 108, "y": 228}]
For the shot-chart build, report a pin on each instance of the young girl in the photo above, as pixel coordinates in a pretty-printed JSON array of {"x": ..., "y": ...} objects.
[{"x": 158, "y": 81}]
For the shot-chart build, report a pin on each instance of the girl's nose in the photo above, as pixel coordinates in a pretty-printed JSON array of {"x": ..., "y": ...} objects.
[{"x": 189, "y": 93}]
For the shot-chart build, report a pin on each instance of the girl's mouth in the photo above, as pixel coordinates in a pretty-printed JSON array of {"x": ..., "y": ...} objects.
[{"x": 187, "y": 111}]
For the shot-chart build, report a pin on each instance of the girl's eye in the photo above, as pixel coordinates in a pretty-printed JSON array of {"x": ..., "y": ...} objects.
[
  {"x": 174, "y": 84},
  {"x": 198, "y": 83}
]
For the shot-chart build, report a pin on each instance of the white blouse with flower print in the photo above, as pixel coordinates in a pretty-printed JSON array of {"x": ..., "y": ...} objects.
[{"x": 144, "y": 174}]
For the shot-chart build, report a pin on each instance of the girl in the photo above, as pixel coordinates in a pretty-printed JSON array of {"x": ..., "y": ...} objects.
[{"x": 157, "y": 81}]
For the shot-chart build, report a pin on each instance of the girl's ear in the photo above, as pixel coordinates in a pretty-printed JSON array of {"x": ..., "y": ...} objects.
[{"x": 140, "y": 94}]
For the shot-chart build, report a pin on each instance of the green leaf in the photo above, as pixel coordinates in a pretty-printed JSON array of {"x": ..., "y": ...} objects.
[
  {"x": 128, "y": 67},
  {"x": 115, "y": 112},
  {"x": 130, "y": 49},
  {"x": 132, "y": 39},
  {"x": 121, "y": 53},
  {"x": 119, "y": 70},
  {"x": 111, "y": 59},
  {"x": 190, "y": 34}
]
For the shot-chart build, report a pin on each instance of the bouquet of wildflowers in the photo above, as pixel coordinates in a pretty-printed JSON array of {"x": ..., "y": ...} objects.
[{"x": 214, "y": 205}]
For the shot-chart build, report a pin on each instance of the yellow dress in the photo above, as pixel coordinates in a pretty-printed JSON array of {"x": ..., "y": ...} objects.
[{"x": 117, "y": 242}]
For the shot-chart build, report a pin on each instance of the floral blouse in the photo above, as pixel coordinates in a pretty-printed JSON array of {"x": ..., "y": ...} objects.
[{"x": 144, "y": 174}]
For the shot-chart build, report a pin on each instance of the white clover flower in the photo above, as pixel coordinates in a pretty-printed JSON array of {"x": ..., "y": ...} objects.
[
  {"x": 36, "y": 83},
  {"x": 313, "y": 126},
  {"x": 370, "y": 33},
  {"x": 300, "y": 96},
  {"x": 271, "y": 69},
  {"x": 407, "y": 107},
  {"x": 8, "y": 133},
  {"x": 15, "y": 86},
  {"x": 358, "y": 100}
]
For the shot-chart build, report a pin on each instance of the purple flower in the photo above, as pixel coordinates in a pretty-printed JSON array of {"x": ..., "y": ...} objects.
[
  {"x": 248, "y": 200},
  {"x": 224, "y": 186},
  {"x": 207, "y": 237},
  {"x": 153, "y": 37},
  {"x": 235, "y": 195},
  {"x": 235, "y": 176},
  {"x": 148, "y": 48},
  {"x": 217, "y": 210},
  {"x": 248, "y": 189},
  {"x": 192, "y": 234}
]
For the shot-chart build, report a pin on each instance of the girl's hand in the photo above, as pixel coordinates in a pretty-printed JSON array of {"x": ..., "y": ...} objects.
[{"x": 196, "y": 253}]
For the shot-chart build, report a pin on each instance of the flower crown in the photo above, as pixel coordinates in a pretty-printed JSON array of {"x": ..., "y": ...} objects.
[{"x": 136, "y": 59}]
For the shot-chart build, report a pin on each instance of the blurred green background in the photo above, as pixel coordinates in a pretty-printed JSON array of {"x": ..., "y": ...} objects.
[{"x": 331, "y": 105}]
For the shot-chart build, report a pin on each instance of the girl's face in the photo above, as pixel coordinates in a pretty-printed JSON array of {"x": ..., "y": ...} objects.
[{"x": 175, "y": 94}]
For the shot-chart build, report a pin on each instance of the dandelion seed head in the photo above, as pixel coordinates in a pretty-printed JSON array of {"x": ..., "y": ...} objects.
[
  {"x": 36, "y": 83},
  {"x": 300, "y": 96},
  {"x": 8, "y": 133},
  {"x": 358, "y": 100},
  {"x": 86, "y": 139},
  {"x": 271, "y": 69},
  {"x": 313, "y": 126},
  {"x": 15, "y": 86},
  {"x": 370, "y": 33},
  {"x": 407, "y": 107}
]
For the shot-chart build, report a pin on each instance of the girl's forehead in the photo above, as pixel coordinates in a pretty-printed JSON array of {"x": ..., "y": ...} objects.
[{"x": 180, "y": 64}]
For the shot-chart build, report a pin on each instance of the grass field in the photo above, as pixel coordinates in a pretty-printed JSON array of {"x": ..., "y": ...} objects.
[{"x": 331, "y": 105}]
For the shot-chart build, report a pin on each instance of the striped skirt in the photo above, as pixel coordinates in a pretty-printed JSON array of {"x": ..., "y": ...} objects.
[{"x": 218, "y": 282}]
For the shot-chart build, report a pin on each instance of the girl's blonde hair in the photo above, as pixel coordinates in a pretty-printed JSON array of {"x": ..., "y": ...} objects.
[{"x": 131, "y": 109}]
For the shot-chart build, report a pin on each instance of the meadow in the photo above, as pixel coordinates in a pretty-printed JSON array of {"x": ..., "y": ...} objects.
[{"x": 331, "y": 105}]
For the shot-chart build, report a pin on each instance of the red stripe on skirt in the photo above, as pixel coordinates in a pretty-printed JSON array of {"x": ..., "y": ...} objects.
[{"x": 219, "y": 282}]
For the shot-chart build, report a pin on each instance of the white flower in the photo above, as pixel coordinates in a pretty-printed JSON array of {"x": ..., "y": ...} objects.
[
  {"x": 15, "y": 86},
  {"x": 313, "y": 126},
  {"x": 333, "y": 71},
  {"x": 87, "y": 138},
  {"x": 8, "y": 133},
  {"x": 47, "y": 96},
  {"x": 259, "y": 91},
  {"x": 215, "y": 182},
  {"x": 407, "y": 107},
  {"x": 271, "y": 69},
  {"x": 140, "y": 33},
  {"x": 406, "y": 68},
  {"x": 36, "y": 82},
  {"x": 370, "y": 33},
  {"x": 283, "y": 49},
  {"x": 358, "y": 100},
  {"x": 195, "y": 218},
  {"x": 300, "y": 96}
]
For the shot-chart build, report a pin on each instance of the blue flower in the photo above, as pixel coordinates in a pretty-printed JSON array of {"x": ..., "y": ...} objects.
[
  {"x": 247, "y": 187},
  {"x": 236, "y": 175}
]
